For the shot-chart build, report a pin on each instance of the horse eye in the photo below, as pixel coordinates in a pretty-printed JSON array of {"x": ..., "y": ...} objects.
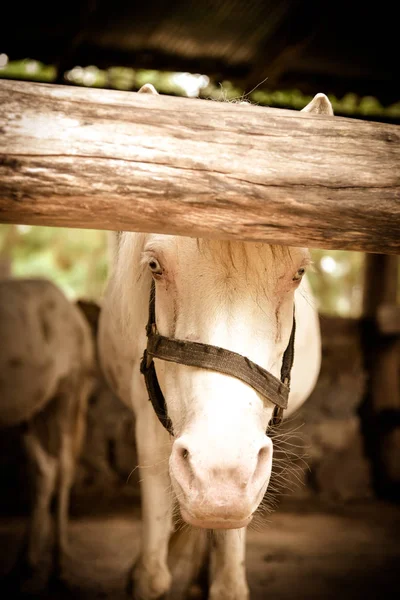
[
  {"x": 155, "y": 266},
  {"x": 299, "y": 274}
]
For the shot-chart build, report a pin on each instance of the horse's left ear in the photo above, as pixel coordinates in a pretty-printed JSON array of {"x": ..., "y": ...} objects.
[
  {"x": 148, "y": 88},
  {"x": 319, "y": 105}
]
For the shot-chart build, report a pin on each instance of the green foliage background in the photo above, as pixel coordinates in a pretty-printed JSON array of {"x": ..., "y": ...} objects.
[
  {"x": 75, "y": 259},
  {"x": 124, "y": 78}
]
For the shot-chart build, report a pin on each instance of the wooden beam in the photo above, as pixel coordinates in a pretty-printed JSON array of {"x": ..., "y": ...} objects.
[
  {"x": 388, "y": 319},
  {"x": 381, "y": 410},
  {"x": 104, "y": 159}
]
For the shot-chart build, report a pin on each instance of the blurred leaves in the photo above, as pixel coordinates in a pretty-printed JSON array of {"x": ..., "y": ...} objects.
[
  {"x": 166, "y": 82},
  {"x": 75, "y": 259},
  {"x": 350, "y": 105},
  {"x": 337, "y": 281},
  {"x": 31, "y": 70}
]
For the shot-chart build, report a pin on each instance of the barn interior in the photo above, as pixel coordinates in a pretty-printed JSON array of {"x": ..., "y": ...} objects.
[{"x": 334, "y": 521}]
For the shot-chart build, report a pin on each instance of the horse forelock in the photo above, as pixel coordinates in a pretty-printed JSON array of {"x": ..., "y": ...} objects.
[
  {"x": 245, "y": 253},
  {"x": 255, "y": 264}
]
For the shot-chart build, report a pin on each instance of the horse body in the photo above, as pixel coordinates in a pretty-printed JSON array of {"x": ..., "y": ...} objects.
[
  {"x": 44, "y": 340},
  {"x": 235, "y": 295},
  {"x": 46, "y": 375}
]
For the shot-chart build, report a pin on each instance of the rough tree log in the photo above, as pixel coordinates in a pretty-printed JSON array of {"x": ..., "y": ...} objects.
[{"x": 118, "y": 160}]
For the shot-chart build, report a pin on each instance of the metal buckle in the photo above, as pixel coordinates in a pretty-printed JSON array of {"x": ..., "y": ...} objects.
[{"x": 145, "y": 363}]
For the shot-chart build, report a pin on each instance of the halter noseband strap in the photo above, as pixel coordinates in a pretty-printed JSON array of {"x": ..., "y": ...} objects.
[{"x": 205, "y": 356}]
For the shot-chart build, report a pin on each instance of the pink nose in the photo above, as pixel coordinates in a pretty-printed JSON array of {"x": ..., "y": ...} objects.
[{"x": 219, "y": 489}]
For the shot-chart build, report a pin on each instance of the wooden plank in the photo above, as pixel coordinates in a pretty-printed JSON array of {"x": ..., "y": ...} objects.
[{"x": 104, "y": 159}]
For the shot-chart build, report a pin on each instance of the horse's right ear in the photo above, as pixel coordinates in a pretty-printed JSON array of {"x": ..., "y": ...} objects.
[
  {"x": 148, "y": 88},
  {"x": 319, "y": 105}
]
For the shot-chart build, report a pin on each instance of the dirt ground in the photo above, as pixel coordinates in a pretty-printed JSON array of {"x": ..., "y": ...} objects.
[{"x": 304, "y": 552}]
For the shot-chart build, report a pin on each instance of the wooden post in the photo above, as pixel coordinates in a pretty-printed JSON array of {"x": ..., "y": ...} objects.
[
  {"x": 382, "y": 358},
  {"x": 104, "y": 159}
]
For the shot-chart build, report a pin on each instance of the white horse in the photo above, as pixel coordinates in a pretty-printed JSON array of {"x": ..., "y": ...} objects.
[
  {"x": 217, "y": 465},
  {"x": 47, "y": 370}
]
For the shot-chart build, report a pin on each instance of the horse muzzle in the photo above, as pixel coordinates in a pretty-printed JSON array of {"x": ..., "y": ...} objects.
[{"x": 213, "y": 492}]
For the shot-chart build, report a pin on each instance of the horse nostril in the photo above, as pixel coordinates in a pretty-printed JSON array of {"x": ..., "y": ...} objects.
[
  {"x": 181, "y": 465},
  {"x": 184, "y": 452},
  {"x": 263, "y": 461}
]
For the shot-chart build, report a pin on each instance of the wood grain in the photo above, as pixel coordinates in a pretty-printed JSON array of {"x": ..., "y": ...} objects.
[{"x": 104, "y": 159}]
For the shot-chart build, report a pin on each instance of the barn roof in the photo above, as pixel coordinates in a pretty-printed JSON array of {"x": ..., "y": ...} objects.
[{"x": 336, "y": 47}]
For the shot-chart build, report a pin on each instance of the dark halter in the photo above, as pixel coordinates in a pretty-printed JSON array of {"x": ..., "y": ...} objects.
[{"x": 195, "y": 354}]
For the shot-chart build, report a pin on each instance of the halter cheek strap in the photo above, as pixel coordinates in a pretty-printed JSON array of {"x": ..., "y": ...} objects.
[{"x": 210, "y": 357}]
